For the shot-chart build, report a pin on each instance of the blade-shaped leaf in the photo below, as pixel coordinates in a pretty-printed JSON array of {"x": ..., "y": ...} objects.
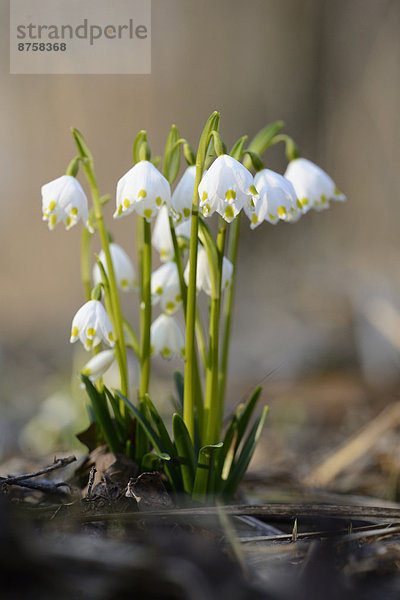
[
  {"x": 172, "y": 155},
  {"x": 102, "y": 415},
  {"x": 245, "y": 456},
  {"x": 160, "y": 427},
  {"x": 263, "y": 138},
  {"x": 204, "y": 472},
  {"x": 185, "y": 451},
  {"x": 245, "y": 415},
  {"x": 155, "y": 440},
  {"x": 141, "y": 136},
  {"x": 237, "y": 148},
  {"x": 81, "y": 144},
  {"x": 179, "y": 384}
]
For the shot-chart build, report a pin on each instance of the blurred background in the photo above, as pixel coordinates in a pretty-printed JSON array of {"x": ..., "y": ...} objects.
[{"x": 318, "y": 302}]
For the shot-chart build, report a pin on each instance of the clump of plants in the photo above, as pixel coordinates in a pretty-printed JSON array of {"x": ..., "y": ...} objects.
[{"x": 200, "y": 458}]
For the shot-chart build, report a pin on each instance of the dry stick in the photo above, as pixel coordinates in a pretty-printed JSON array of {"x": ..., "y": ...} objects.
[
  {"x": 365, "y": 531},
  {"x": 47, "y": 487},
  {"x": 290, "y": 510},
  {"x": 355, "y": 447},
  {"x": 59, "y": 463}
]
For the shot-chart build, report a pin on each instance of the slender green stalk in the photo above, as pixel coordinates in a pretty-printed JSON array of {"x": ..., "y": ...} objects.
[
  {"x": 212, "y": 405},
  {"x": 198, "y": 326},
  {"x": 145, "y": 306},
  {"x": 190, "y": 351},
  {"x": 234, "y": 235},
  {"x": 116, "y": 315}
]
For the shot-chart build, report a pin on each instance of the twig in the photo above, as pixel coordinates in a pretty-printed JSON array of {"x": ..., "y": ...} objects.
[
  {"x": 59, "y": 463},
  {"x": 265, "y": 510},
  {"x": 47, "y": 487}
]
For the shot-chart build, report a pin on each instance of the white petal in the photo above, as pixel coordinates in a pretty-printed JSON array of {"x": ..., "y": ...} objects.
[
  {"x": 161, "y": 238},
  {"x": 98, "y": 364}
]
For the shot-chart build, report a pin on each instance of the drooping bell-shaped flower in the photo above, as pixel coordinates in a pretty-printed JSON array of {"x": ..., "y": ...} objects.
[
  {"x": 165, "y": 287},
  {"x": 314, "y": 188},
  {"x": 143, "y": 189},
  {"x": 63, "y": 199},
  {"x": 166, "y": 337},
  {"x": 91, "y": 325},
  {"x": 182, "y": 197},
  {"x": 203, "y": 274},
  {"x": 98, "y": 365},
  {"x": 276, "y": 199},
  {"x": 123, "y": 268},
  {"x": 225, "y": 188},
  {"x": 161, "y": 237}
]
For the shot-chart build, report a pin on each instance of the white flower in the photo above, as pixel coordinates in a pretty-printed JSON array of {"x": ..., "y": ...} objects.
[
  {"x": 161, "y": 237},
  {"x": 144, "y": 189},
  {"x": 203, "y": 275},
  {"x": 91, "y": 325},
  {"x": 123, "y": 268},
  {"x": 182, "y": 197},
  {"x": 98, "y": 365},
  {"x": 314, "y": 187},
  {"x": 225, "y": 188},
  {"x": 166, "y": 337},
  {"x": 165, "y": 287},
  {"x": 63, "y": 199},
  {"x": 276, "y": 199}
]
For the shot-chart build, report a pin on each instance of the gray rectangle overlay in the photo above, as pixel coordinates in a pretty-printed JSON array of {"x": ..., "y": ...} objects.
[{"x": 108, "y": 37}]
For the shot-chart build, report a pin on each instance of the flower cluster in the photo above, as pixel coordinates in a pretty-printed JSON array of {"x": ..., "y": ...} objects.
[{"x": 222, "y": 185}]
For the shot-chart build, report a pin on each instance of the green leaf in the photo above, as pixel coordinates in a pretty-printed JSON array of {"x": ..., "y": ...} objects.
[
  {"x": 172, "y": 155},
  {"x": 227, "y": 448},
  {"x": 73, "y": 167},
  {"x": 206, "y": 141},
  {"x": 121, "y": 423},
  {"x": 141, "y": 136},
  {"x": 189, "y": 154},
  {"x": 172, "y": 474},
  {"x": 82, "y": 146},
  {"x": 245, "y": 416},
  {"x": 237, "y": 148},
  {"x": 151, "y": 460},
  {"x": 262, "y": 140},
  {"x": 185, "y": 450},
  {"x": 255, "y": 160},
  {"x": 245, "y": 456},
  {"x": 102, "y": 415},
  {"x": 160, "y": 427},
  {"x": 204, "y": 473},
  {"x": 179, "y": 385},
  {"x": 219, "y": 144}
]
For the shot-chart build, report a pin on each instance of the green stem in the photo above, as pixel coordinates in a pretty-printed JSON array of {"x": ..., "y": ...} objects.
[
  {"x": 190, "y": 350},
  {"x": 234, "y": 235},
  {"x": 145, "y": 306},
  {"x": 213, "y": 408},
  {"x": 198, "y": 326},
  {"x": 116, "y": 315}
]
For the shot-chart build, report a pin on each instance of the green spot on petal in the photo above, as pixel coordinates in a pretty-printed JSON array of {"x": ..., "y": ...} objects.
[
  {"x": 230, "y": 195},
  {"x": 142, "y": 194},
  {"x": 229, "y": 212}
]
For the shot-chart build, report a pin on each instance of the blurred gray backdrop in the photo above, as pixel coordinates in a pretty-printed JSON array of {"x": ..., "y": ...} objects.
[{"x": 323, "y": 293}]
